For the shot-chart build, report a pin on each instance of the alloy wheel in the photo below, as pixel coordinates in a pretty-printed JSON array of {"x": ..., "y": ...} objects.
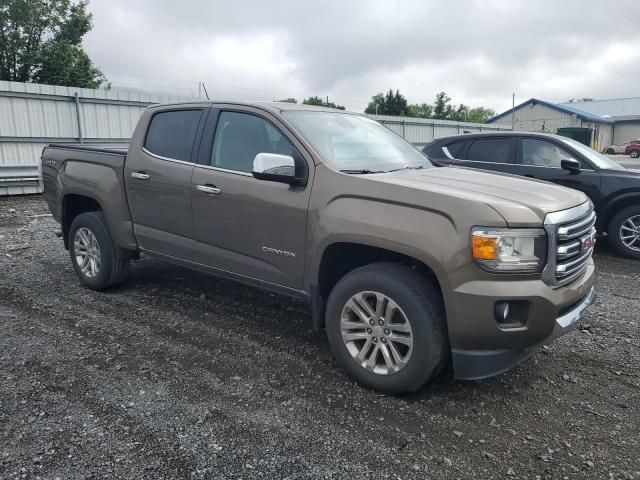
[
  {"x": 376, "y": 333},
  {"x": 87, "y": 252},
  {"x": 630, "y": 233}
]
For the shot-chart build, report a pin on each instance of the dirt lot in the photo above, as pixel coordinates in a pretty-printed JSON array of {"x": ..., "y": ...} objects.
[{"x": 180, "y": 375}]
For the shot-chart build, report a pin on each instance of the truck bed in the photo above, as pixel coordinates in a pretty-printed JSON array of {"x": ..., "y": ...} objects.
[
  {"x": 119, "y": 148},
  {"x": 93, "y": 174}
]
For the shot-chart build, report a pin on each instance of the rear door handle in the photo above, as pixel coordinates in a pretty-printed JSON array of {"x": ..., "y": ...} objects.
[
  {"x": 140, "y": 175},
  {"x": 212, "y": 189}
]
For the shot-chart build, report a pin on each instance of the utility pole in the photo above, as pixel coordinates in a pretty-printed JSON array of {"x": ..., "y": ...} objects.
[{"x": 513, "y": 111}]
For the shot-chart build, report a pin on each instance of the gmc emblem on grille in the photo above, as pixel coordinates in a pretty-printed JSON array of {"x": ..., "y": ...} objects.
[{"x": 588, "y": 242}]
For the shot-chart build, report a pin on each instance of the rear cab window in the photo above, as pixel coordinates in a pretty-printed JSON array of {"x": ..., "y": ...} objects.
[{"x": 171, "y": 134}]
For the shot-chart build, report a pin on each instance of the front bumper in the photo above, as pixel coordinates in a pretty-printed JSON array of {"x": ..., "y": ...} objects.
[{"x": 482, "y": 348}]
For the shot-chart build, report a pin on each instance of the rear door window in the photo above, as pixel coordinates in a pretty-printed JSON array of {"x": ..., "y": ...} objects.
[
  {"x": 492, "y": 150},
  {"x": 171, "y": 134}
]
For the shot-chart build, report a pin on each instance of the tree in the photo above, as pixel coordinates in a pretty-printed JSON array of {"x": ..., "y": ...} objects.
[
  {"x": 320, "y": 102},
  {"x": 288, "y": 100},
  {"x": 480, "y": 114},
  {"x": 422, "y": 110},
  {"x": 388, "y": 104},
  {"x": 41, "y": 42}
]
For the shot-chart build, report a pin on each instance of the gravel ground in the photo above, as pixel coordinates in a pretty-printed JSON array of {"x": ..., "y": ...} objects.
[{"x": 181, "y": 375}]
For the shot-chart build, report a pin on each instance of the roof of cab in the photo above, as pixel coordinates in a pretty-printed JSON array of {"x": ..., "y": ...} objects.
[
  {"x": 505, "y": 133},
  {"x": 271, "y": 106}
]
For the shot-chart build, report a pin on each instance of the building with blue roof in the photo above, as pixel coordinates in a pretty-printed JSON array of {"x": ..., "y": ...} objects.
[{"x": 597, "y": 123}]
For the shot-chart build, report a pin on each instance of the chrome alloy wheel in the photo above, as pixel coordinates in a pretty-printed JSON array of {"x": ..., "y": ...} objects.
[
  {"x": 87, "y": 252},
  {"x": 630, "y": 233},
  {"x": 376, "y": 333}
]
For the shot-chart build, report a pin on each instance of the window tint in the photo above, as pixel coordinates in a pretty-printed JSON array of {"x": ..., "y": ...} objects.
[
  {"x": 171, "y": 134},
  {"x": 541, "y": 153},
  {"x": 455, "y": 148},
  {"x": 240, "y": 137},
  {"x": 494, "y": 150}
]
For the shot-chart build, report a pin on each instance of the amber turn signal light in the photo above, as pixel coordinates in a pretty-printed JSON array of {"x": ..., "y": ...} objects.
[{"x": 484, "y": 248}]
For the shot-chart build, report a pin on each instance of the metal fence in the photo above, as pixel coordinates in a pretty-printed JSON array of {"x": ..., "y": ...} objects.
[
  {"x": 33, "y": 115},
  {"x": 421, "y": 131}
]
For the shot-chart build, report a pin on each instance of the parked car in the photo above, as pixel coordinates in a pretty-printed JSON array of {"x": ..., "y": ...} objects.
[
  {"x": 617, "y": 149},
  {"x": 613, "y": 189},
  {"x": 405, "y": 265},
  {"x": 633, "y": 149}
]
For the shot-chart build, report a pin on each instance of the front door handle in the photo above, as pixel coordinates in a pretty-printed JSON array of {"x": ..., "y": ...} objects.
[
  {"x": 212, "y": 189},
  {"x": 140, "y": 175}
]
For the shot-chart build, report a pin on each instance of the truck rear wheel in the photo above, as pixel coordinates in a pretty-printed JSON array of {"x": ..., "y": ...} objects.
[
  {"x": 94, "y": 256},
  {"x": 386, "y": 326}
]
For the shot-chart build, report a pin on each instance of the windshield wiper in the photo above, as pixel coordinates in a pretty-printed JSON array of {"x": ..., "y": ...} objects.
[
  {"x": 410, "y": 167},
  {"x": 361, "y": 171}
]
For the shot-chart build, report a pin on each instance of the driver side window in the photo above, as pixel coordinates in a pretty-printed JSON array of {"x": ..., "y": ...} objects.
[
  {"x": 540, "y": 153},
  {"x": 240, "y": 137}
]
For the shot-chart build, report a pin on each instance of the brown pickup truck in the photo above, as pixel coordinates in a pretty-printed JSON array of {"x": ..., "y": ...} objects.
[{"x": 406, "y": 266}]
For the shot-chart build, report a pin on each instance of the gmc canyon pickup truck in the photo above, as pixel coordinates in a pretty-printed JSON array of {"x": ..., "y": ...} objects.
[{"x": 406, "y": 266}]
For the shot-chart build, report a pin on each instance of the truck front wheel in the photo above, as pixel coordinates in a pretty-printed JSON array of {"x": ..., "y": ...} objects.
[
  {"x": 386, "y": 326},
  {"x": 93, "y": 254}
]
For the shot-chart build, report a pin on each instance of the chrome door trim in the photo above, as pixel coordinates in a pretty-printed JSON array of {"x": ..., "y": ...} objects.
[{"x": 160, "y": 157}]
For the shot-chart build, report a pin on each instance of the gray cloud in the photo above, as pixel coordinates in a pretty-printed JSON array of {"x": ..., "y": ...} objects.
[{"x": 477, "y": 51}]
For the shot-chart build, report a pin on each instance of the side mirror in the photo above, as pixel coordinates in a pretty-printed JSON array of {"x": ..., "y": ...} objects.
[
  {"x": 570, "y": 164},
  {"x": 274, "y": 168}
]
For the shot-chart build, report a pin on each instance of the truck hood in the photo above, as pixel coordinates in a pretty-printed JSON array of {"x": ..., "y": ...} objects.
[{"x": 518, "y": 200}]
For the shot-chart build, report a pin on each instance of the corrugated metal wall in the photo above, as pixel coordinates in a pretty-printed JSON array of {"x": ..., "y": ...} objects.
[
  {"x": 33, "y": 115},
  {"x": 624, "y": 132},
  {"x": 421, "y": 131}
]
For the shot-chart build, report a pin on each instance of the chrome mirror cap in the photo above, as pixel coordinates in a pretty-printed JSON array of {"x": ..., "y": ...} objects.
[{"x": 274, "y": 167}]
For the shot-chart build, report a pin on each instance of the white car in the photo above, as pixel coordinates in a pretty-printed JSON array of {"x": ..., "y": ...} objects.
[{"x": 617, "y": 149}]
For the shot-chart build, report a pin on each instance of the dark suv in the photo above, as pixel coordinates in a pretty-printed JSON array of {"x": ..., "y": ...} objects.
[{"x": 614, "y": 190}]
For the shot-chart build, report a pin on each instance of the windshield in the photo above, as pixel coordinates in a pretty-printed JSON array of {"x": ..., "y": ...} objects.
[
  {"x": 356, "y": 144},
  {"x": 594, "y": 157}
]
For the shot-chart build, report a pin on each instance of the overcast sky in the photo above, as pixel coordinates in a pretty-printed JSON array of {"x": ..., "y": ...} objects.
[{"x": 479, "y": 52}]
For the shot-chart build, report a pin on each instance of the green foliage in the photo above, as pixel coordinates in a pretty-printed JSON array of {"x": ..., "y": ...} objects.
[
  {"x": 480, "y": 114},
  {"x": 396, "y": 104},
  {"x": 322, "y": 103},
  {"x": 288, "y": 100},
  {"x": 41, "y": 41},
  {"x": 388, "y": 104}
]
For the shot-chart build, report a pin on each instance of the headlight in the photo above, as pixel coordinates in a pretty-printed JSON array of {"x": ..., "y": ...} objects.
[{"x": 509, "y": 250}]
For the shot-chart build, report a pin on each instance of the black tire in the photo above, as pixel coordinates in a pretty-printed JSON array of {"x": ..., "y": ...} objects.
[
  {"x": 423, "y": 306},
  {"x": 634, "y": 153},
  {"x": 114, "y": 267},
  {"x": 610, "y": 151},
  {"x": 614, "y": 232}
]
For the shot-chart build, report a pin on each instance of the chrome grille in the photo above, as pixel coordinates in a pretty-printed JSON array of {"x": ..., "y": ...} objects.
[{"x": 570, "y": 243}]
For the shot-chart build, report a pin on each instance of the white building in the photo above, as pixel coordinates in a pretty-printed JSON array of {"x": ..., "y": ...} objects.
[{"x": 596, "y": 123}]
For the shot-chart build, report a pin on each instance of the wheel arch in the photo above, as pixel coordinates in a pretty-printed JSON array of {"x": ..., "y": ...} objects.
[
  {"x": 614, "y": 206},
  {"x": 74, "y": 204},
  {"x": 341, "y": 257}
]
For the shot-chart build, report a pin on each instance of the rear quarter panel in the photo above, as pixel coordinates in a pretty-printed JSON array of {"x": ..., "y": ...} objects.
[{"x": 96, "y": 175}]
